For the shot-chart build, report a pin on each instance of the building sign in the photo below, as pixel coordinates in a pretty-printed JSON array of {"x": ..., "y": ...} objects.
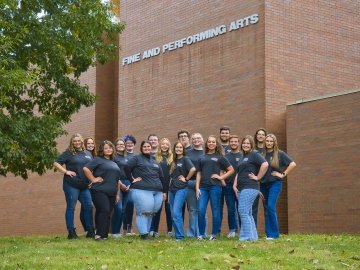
[{"x": 210, "y": 33}]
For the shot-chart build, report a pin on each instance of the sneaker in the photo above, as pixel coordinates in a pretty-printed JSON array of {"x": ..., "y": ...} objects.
[
  {"x": 130, "y": 234},
  {"x": 156, "y": 235},
  {"x": 116, "y": 235},
  {"x": 151, "y": 233},
  {"x": 200, "y": 238},
  {"x": 270, "y": 238},
  {"x": 72, "y": 234},
  {"x": 90, "y": 234},
  {"x": 144, "y": 236},
  {"x": 99, "y": 238},
  {"x": 169, "y": 234},
  {"x": 231, "y": 235},
  {"x": 212, "y": 238}
]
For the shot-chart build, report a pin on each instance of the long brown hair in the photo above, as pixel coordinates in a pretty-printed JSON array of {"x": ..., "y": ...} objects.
[
  {"x": 175, "y": 156},
  {"x": 275, "y": 150},
  {"x": 93, "y": 152},
  {"x": 218, "y": 150},
  {"x": 252, "y": 143}
]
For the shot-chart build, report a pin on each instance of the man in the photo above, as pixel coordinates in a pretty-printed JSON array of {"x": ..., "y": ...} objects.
[
  {"x": 154, "y": 141},
  {"x": 184, "y": 137},
  {"x": 195, "y": 152},
  {"x": 224, "y": 138},
  {"x": 228, "y": 194}
]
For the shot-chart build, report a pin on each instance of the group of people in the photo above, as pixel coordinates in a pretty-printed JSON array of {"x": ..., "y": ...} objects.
[{"x": 187, "y": 175}]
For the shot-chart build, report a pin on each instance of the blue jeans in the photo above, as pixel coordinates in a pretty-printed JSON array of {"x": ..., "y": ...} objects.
[
  {"x": 119, "y": 212},
  {"x": 246, "y": 199},
  {"x": 177, "y": 200},
  {"x": 191, "y": 201},
  {"x": 255, "y": 209},
  {"x": 212, "y": 193},
  {"x": 72, "y": 195},
  {"x": 230, "y": 199},
  {"x": 146, "y": 203},
  {"x": 271, "y": 192}
]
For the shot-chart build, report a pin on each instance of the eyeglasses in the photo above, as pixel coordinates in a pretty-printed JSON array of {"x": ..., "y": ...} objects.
[{"x": 183, "y": 136}]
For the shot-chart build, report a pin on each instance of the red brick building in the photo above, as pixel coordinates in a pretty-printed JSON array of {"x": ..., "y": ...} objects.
[{"x": 203, "y": 64}]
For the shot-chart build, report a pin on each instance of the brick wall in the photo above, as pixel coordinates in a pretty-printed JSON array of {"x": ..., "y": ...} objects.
[{"x": 323, "y": 189}]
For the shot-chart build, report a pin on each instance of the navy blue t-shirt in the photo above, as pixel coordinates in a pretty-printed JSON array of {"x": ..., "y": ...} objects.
[
  {"x": 260, "y": 150},
  {"x": 144, "y": 166},
  {"x": 121, "y": 160},
  {"x": 75, "y": 162},
  {"x": 234, "y": 159},
  {"x": 249, "y": 163},
  {"x": 227, "y": 148},
  {"x": 194, "y": 155},
  {"x": 165, "y": 167},
  {"x": 284, "y": 161},
  {"x": 182, "y": 167},
  {"x": 212, "y": 164},
  {"x": 109, "y": 171}
]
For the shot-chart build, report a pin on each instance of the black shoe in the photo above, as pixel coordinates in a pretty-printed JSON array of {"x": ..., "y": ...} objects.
[
  {"x": 145, "y": 236},
  {"x": 72, "y": 234},
  {"x": 90, "y": 234},
  {"x": 99, "y": 238}
]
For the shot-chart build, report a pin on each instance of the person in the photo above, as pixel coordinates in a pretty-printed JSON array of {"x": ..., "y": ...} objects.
[
  {"x": 234, "y": 157},
  {"x": 225, "y": 138},
  {"x": 104, "y": 175},
  {"x": 209, "y": 179},
  {"x": 251, "y": 168},
  {"x": 280, "y": 165},
  {"x": 146, "y": 187},
  {"x": 184, "y": 137},
  {"x": 90, "y": 148},
  {"x": 75, "y": 184},
  {"x": 259, "y": 139},
  {"x": 124, "y": 184},
  {"x": 194, "y": 154},
  {"x": 164, "y": 157},
  {"x": 181, "y": 171},
  {"x": 154, "y": 140},
  {"x": 130, "y": 142}
]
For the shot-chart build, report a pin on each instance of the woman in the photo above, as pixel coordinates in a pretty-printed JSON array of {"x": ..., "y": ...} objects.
[
  {"x": 90, "y": 146},
  {"x": 271, "y": 185},
  {"x": 181, "y": 172},
  {"x": 164, "y": 157},
  {"x": 209, "y": 179},
  {"x": 146, "y": 188},
  {"x": 75, "y": 184},
  {"x": 251, "y": 168},
  {"x": 117, "y": 219},
  {"x": 104, "y": 175},
  {"x": 259, "y": 138}
]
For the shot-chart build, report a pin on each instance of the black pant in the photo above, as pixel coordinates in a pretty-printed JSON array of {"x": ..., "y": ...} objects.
[{"x": 104, "y": 204}]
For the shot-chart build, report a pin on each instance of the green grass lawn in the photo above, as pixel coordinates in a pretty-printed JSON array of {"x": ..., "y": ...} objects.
[{"x": 289, "y": 252}]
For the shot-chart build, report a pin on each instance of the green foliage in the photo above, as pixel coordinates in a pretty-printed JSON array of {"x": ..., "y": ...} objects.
[
  {"x": 288, "y": 252},
  {"x": 44, "y": 48}
]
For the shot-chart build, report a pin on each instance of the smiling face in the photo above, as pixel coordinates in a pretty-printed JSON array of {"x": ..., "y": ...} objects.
[
  {"x": 179, "y": 150},
  {"x": 234, "y": 143},
  {"x": 165, "y": 146},
  {"x": 260, "y": 136},
  {"x": 146, "y": 148},
  {"x": 211, "y": 144},
  {"x": 246, "y": 145},
  {"x": 184, "y": 139},
  {"x": 129, "y": 146},
  {"x": 90, "y": 145},
  {"x": 154, "y": 141},
  {"x": 108, "y": 151},
  {"x": 269, "y": 142},
  {"x": 120, "y": 146},
  {"x": 224, "y": 136},
  {"x": 77, "y": 143},
  {"x": 197, "y": 140}
]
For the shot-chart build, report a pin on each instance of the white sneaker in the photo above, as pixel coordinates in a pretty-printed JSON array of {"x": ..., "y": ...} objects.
[
  {"x": 200, "y": 238},
  {"x": 116, "y": 235},
  {"x": 169, "y": 234},
  {"x": 151, "y": 233},
  {"x": 231, "y": 235},
  {"x": 212, "y": 238},
  {"x": 156, "y": 234},
  {"x": 270, "y": 238}
]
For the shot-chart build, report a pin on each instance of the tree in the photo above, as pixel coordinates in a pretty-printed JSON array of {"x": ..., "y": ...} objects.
[{"x": 44, "y": 48}]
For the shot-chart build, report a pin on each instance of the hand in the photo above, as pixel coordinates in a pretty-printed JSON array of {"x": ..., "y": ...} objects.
[
  {"x": 70, "y": 173},
  {"x": 236, "y": 191},
  {"x": 117, "y": 197},
  {"x": 216, "y": 176},
  {"x": 198, "y": 193},
  {"x": 182, "y": 178},
  {"x": 97, "y": 180},
  {"x": 137, "y": 179},
  {"x": 277, "y": 174},
  {"x": 253, "y": 177}
]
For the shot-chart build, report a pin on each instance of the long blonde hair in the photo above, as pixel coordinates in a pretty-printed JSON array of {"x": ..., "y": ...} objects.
[
  {"x": 275, "y": 159},
  {"x": 71, "y": 148},
  {"x": 159, "y": 154}
]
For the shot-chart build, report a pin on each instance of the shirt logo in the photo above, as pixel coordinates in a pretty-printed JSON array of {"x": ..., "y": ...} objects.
[
  {"x": 245, "y": 159},
  {"x": 179, "y": 165},
  {"x": 214, "y": 159},
  {"x": 87, "y": 157},
  {"x": 237, "y": 159},
  {"x": 156, "y": 166}
]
